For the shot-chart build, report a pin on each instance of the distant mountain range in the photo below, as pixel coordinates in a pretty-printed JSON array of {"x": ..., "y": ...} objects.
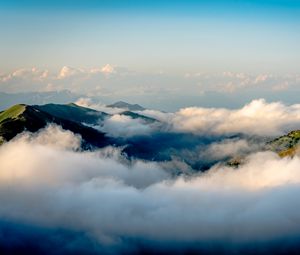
[
  {"x": 124, "y": 105},
  {"x": 56, "y": 97}
]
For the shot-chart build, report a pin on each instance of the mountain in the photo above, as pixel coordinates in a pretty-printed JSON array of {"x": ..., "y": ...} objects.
[
  {"x": 127, "y": 106},
  {"x": 285, "y": 145},
  {"x": 21, "y": 117},
  {"x": 161, "y": 145},
  {"x": 77, "y": 119},
  {"x": 134, "y": 115},
  {"x": 73, "y": 112}
]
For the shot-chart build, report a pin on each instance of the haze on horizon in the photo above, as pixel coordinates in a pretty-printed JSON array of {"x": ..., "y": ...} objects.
[{"x": 163, "y": 54}]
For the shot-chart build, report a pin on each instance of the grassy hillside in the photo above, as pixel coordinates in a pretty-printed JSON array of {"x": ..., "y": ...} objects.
[
  {"x": 12, "y": 112},
  {"x": 286, "y": 145},
  {"x": 19, "y": 118}
]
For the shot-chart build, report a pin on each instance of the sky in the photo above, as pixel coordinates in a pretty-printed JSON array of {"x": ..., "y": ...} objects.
[
  {"x": 161, "y": 54},
  {"x": 220, "y": 77},
  {"x": 173, "y": 36}
]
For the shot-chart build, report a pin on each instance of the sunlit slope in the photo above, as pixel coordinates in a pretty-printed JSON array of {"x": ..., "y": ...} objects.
[
  {"x": 12, "y": 112},
  {"x": 19, "y": 118},
  {"x": 286, "y": 145}
]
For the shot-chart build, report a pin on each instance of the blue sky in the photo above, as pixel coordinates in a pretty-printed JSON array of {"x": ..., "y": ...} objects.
[{"x": 151, "y": 36}]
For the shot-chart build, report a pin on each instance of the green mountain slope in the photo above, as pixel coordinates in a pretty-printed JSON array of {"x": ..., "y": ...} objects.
[
  {"x": 12, "y": 112},
  {"x": 19, "y": 118},
  {"x": 286, "y": 145},
  {"x": 73, "y": 112}
]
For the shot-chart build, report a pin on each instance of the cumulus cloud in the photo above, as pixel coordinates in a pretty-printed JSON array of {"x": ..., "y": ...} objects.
[
  {"x": 107, "y": 69},
  {"x": 59, "y": 186},
  {"x": 24, "y": 79},
  {"x": 255, "y": 118},
  {"x": 53, "y": 136},
  {"x": 67, "y": 71},
  {"x": 125, "y": 126},
  {"x": 26, "y": 73}
]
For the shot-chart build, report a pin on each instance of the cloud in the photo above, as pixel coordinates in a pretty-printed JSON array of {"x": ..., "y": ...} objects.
[
  {"x": 25, "y": 73},
  {"x": 107, "y": 69},
  {"x": 94, "y": 192},
  {"x": 89, "y": 103},
  {"x": 53, "y": 136},
  {"x": 125, "y": 126},
  {"x": 258, "y": 118},
  {"x": 24, "y": 79},
  {"x": 162, "y": 90},
  {"x": 255, "y": 118},
  {"x": 230, "y": 148},
  {"x": 67, "y": 71},
  {"x": 261, "y": 78}
]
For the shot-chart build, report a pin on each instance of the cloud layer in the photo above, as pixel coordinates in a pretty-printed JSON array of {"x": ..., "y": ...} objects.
[
  {"x": 47, "y": 181},
  {"x": 256, "y": 118}
]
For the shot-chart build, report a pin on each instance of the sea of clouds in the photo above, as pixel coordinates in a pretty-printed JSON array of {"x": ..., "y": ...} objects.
[{"x": 102, "y": 202}]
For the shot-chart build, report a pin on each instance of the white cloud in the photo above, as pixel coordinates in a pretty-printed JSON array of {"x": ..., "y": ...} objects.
[
  {"x": 53, "y": 136},
  {"x": 88, "y": 102},
  {"x": 165, "y": 91},
  {"x": 229, "y": 148},
  {"x": 32, "y": 74},
  {"x": 261, "y": 78},
  {"x": 67, "y": 71},
  {"x": 255, "y": 118},
  {"x": 125, "y": 126},
  {"x": 108, "y": 69},
  {"x": 89, "y": 192}
]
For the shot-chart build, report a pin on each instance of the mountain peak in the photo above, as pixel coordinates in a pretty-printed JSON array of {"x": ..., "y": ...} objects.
[
  {"x": 12, "y": 112},
  {"x": 127, "y": 106},
  {"x": 72, "y": 104}
]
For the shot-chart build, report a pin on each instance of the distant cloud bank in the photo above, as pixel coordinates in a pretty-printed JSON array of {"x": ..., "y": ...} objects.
[{"x": 115, "y": 83}]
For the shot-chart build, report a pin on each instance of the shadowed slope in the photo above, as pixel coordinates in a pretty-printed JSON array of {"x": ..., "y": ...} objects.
[{"x": 21, "y": 118}]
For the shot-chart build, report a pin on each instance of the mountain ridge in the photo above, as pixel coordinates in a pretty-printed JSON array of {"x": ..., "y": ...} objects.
[
  {"x": 126, "y": 106},
  {"x": 19, "y": 118}
]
